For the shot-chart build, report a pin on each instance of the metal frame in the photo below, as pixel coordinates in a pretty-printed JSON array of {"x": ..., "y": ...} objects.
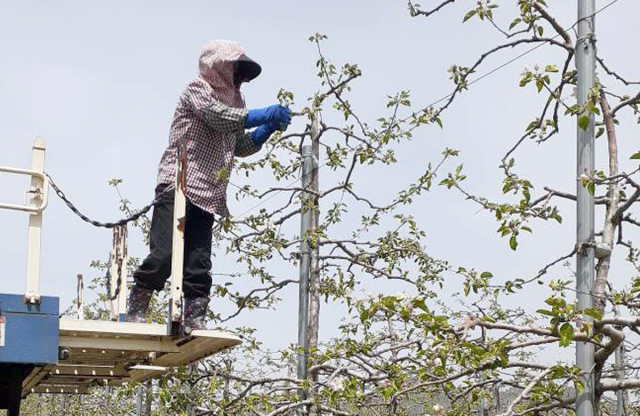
[
  {"x": 80, "y": 300},
  {"x": 177, "y": 255},
  {"x": 113, "y": 353},
  {"x": 39, "y": 192},
  {"x": 305, "y": 263},
  {"x": 585, "y": 208},
  {"x": 107, "y": 352},
  {"x": 119, "y": 259}
]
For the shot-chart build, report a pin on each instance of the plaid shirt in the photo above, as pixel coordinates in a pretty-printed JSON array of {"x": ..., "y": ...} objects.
[{"x": 214, "y": 135}]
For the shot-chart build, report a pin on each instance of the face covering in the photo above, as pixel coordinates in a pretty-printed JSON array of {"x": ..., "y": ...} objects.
[{"x": 245, "y": 70}]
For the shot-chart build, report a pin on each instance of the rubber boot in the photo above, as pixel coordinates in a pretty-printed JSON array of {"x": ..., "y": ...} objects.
[
  {"x": 138, "y": 304},
  {"x": 195, "y": 313}
]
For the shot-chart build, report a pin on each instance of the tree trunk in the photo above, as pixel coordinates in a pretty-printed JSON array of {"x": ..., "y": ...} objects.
[
  {"x": 314, "y": 277},
  {"x": 613, "y": 194}
]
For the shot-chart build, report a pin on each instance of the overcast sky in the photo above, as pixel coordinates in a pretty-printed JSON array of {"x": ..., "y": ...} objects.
[{"x": 99, "y": 82}]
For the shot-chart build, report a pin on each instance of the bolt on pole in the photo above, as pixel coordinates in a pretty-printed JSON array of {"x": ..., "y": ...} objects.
[
  {"x": 305, "y": 265},
  {"x": 585, "y": 258}
]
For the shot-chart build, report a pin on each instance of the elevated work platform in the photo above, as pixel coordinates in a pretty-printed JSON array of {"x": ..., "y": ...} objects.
[
  {"x": 40, "y": 353},
  {"x": 112, "y": 353}
]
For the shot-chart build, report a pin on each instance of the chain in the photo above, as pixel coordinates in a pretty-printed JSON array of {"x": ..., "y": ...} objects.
[
  {"x": 135, "y": 216},
  {"x": 108, "y": 278}
]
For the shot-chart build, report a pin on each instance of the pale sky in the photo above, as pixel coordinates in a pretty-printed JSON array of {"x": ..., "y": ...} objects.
[{"x": 99, "y": 82}]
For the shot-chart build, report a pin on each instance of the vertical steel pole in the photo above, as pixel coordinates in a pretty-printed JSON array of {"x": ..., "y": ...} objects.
[
  {"x": 119, "y": 259},
  {"x": 305, "y": 264},
  {"x": 32, "y": 292},
  {"x": 620, "y": 377},
  {"x": 226, "y": 394},
  {"x": 148, "y": 388},
  {"x": 124, "y": 254},
  {"x": 481, "y": 408},
  {"x": 177, "y": 251},
  {"x": 585, "y": 63},
  {"x": 139, "y": 400},
  {"x": 80, "y": 305}
]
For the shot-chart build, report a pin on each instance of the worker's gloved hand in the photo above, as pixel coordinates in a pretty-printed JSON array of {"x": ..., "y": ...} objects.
[
  {"x": 276, "y": 115},
  {"x": 261, "y": 134}
]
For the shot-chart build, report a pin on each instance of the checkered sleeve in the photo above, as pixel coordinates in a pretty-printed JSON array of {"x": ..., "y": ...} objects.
[
  {"x": 245, "y": 146},
  {"x": 216, "y": 115}
]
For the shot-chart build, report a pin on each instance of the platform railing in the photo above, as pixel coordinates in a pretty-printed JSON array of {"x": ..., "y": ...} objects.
[
  {"x": 177, "y": 255},
  {"x": 36, "y": 201},
  {"x": 38, "y": 196},
  {"x": 39, "y": 193},
  {"x": 80, "y": 297},
  {"x": 118, "y": 273}
]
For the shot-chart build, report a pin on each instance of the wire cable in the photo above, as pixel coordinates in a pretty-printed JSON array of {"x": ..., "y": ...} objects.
[
  {"x": 480, "y": 78},
  {"x": 146, "y": 208}
]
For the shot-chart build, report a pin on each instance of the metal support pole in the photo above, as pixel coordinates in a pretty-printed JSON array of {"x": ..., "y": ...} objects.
[
  {"x": 620, "y": 376},
  {"x": 119, "y": 260},
  {"x": 32, "y": 292},
  {"x": 177, "y": 251},
  {"x": 481, "y": 408},
  {"x": 148, "y": 390},
  {"x": 139, "y": 400},
  {"x": 305, "y": 263},
  {"x": 80, "y": 304},
  {"x": 585, "y": 63},
  {"x": 227, "y": 387}
]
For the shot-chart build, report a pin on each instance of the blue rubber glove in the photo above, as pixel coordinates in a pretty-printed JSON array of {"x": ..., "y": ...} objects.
[
  {"x": 261, "y": 134},
  {"x": 276, "y": 115}
]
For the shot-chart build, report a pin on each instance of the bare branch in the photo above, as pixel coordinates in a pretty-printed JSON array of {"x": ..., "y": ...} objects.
[
  {"x": 414, "y": 11},
  {"x": 525, "y": 392}
]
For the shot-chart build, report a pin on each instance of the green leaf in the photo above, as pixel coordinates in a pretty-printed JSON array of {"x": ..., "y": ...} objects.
[
  {"x": 365, "y": 315},
  {"x": 513, "y": 243},
  {"x": 594, "y": 313},
  {"x": 515, "y": 23},
  {"x": 566, "y": 334},
  {"x": 469, "y": 15},
  {"x": 486, "y": 275},
  {"x": 420, "y": 303},
  {"x": 635, "y": 156},
  {"x": 551, "y": 68},
  {"x": 583, "y": 122}
]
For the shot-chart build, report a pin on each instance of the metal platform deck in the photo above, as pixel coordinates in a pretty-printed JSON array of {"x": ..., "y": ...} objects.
[{"x": 112, "y": 353}]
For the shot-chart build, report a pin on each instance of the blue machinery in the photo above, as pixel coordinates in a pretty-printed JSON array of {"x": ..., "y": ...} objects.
[{"x": 43, "y": 353}]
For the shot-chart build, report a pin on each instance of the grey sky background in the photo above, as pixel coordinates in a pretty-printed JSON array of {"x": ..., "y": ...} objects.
[{"x": 99, "y": 82}]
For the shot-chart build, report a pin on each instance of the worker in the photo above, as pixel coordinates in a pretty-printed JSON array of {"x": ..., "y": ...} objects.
[{"x": 212, "y": 121}]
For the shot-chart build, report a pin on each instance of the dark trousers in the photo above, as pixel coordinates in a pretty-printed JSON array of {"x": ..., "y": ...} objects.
[{"x": 156, "y": 268}]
